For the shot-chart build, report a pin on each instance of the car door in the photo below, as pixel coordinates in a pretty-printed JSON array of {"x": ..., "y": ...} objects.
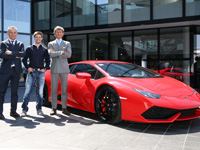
[{"x": 81, "y": 91}]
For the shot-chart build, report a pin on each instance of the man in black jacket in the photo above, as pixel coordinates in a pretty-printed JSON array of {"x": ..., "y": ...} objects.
[{"x": 12, "y": 51}]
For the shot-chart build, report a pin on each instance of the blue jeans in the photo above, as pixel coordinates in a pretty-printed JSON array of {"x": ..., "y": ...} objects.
[{"x": 30, "y": 80}]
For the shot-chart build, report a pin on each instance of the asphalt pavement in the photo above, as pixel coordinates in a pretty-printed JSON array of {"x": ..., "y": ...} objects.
[{"x": 84, "y": 131}]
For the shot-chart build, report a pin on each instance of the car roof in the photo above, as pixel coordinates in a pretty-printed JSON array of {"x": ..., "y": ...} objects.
[{"x": 98, "y": 61}]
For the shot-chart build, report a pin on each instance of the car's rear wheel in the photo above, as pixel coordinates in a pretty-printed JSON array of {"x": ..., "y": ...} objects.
[
  {"x": 107, "y": 105},
  {"x": 45, "y": 96}
]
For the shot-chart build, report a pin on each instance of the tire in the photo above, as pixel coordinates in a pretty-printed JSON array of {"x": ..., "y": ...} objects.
[
  {"x": 108, "y": 105},
  {"x": 45, "y": 96}
]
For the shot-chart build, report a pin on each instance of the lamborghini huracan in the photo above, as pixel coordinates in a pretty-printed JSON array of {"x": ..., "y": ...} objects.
[{"x": 116, "y": 91}]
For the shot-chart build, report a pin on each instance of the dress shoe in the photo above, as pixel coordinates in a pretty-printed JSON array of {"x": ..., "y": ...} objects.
[
  {"x": 14, "y": 114},
  {"x": 53, "y": 112},
  {"x": 2, "y": 117},
  {"x": 65, "y": 111}
]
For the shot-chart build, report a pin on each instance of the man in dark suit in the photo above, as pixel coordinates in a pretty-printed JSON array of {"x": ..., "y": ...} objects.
[{"x": 12, "y": 51}]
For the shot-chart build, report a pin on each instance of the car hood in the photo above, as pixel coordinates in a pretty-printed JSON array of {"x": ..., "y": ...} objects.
[{"x": 165, "y": 86}]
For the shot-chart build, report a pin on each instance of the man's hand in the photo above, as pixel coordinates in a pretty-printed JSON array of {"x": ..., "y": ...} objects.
[
  {"x": 52, "y": 50},
  {"x": 8, "y": 52},
  {"x": 42, "y": 70},
  {"x": 63, "y": 52},
  {"x": 30, "y": 69}
]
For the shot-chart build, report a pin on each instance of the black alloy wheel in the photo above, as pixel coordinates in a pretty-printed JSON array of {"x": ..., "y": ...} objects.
[{"x": 107, "y": 105}]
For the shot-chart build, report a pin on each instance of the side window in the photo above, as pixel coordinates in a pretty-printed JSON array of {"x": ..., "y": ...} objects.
[
  {"x": 84, "y": 68},
  {"x": 99, "y": 75},
  {"x": 71, "y": 68}
]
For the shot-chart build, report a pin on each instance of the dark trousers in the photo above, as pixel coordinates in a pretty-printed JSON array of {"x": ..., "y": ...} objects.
[{"x": 13, "y": 77}]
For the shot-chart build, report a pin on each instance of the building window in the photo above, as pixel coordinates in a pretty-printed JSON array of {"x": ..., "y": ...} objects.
[
  {"x": 0, "y": 15},
  {"x": 41, "y": 15},
  {"x": 135, "y": 10},
  {"x": 109, "y": 12},
  {"x": 61, "y": 13},
  {"x": 192, "y": 7},
  {"x": 84, "y": 13},
  {"x": 146, "y": 48},
  {"x": 167, "y": 9},
  {"x": 98, "y": 46},
  {"x": 175, "y": 50},
  {"x": 121, "y": 46},
  {"x": 17, "y": 13},
  {"x": 79, "y": 47}
]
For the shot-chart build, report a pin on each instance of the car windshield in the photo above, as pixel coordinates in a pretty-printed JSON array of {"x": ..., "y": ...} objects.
[{"x": 127, "y": 70}]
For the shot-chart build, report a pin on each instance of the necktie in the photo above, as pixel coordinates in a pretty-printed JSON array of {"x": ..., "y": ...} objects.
[
  {"x": 12, "y": 44},
  {"x": 59, "y": 42},
  {"x": 13, "y": 63}
]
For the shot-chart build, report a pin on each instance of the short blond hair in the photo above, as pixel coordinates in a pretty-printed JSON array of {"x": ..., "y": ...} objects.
[
  {"x": 37, "y": 33},
  {"x": 58, "y": 28}
]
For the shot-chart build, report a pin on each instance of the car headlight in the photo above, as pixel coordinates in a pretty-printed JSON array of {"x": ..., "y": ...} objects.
[
  {"x": 194, "y": 90},
  {"x": 148, "y": 94}
]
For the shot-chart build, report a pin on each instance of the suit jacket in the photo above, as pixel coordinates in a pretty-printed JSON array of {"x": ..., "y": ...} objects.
[
  {"x": 17, "y": 51},
  {"x": 59, "y": 62}
]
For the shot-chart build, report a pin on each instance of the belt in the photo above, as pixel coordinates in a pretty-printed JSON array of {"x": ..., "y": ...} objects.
[{"x": 36, "y": 69}]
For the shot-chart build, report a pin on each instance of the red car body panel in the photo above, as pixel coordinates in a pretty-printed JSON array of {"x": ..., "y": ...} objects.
[{"x": 174, "y": 94}]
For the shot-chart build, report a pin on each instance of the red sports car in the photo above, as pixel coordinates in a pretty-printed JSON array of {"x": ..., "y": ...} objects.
[
  {"x": 118, "y": 91},
  {"x": 177, "y": 73}
]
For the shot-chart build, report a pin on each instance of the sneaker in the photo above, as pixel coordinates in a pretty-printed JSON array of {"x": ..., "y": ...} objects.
[
  {"x": 23, "y": 113},
  {"x": 39, "y": 112}
]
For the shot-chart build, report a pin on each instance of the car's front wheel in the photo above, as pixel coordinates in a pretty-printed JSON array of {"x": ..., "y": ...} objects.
[{"x": 107, "y": 105}]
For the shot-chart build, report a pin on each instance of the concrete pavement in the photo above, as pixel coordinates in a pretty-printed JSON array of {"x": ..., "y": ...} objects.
[{"x": 83, "y": 131}]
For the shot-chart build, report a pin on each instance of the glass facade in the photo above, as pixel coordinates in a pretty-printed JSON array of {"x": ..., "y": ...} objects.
[
  {"x": 167, "y": 9},
  {"x": 109, "y": 12},
  {"x": 98, "y": 46},
  {"x": 192, "y": 7},
  {"x": 135, "y": 10},
  {"x": 17, "y": 13},
  {"x": 146, "y": 48},
  {"x": 79, "y": 45},
  {"x": 121, "y": 46},
  {"x": 61, "y": 13},
  {"x": 135, "y": 31},
  {"x": 84, "y": 13},
  {"x": 41, "y": 15}
]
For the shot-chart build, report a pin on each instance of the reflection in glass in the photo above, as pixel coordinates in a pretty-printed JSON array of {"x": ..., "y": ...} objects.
[
  {"x": 98, "y": 46},
  {"x": 196, "y": 60},
  {"x": 0, "y": 14},
  {"x": 167, "y": 9},
  {"x": 145, "y": 48},
  {"x": 174, "y": 43},
  {"x": 84, "y": 13},
  {"x": 109, "y": 12},
  {"x": 17, "y": 13},
  {"x": 136, "y": 10},
  {"x": 61, "y": 13},
  {"x": 79, "y": 47},
  {"x": 41, "y": 15},
  {"x": 174, "y": 48},
  {"x": 192, "y": 7},
  {"x": 121, "y": 46}
]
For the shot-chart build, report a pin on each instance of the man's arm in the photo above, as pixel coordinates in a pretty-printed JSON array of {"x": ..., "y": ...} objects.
[
  {"x": 24, "y": 60},
  {"x": 20, "y": 53},
  {"x": 5, "y": 53},
  {"x": 68, "y": 52},
  {"x": 52, "y": 52}
]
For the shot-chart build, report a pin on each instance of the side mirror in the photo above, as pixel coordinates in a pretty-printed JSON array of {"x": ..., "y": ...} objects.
[{"x": 83, "y": 75}]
